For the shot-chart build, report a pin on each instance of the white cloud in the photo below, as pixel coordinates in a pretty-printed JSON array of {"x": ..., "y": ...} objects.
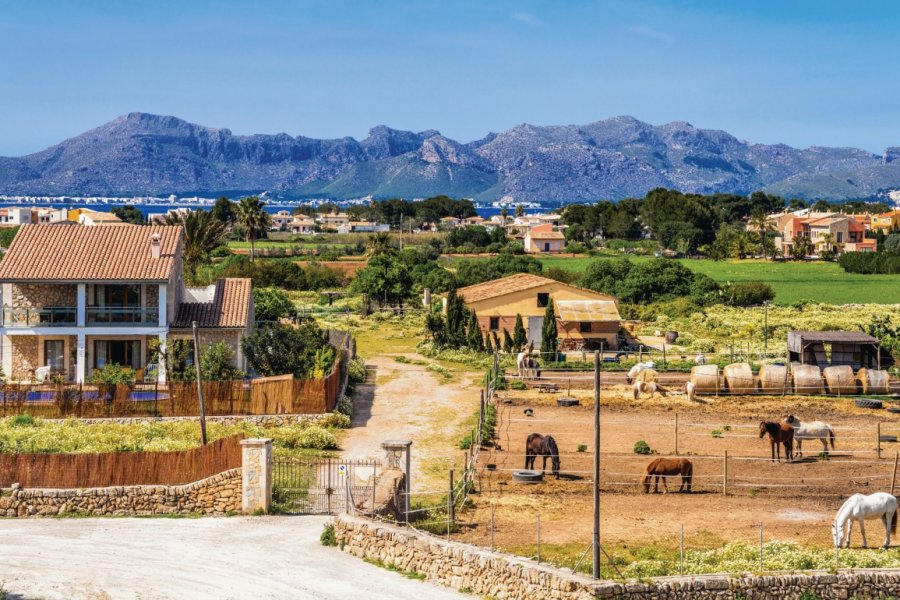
[
  {"x": 527, "y": 18},
  {"x": 649, "y": 32}
]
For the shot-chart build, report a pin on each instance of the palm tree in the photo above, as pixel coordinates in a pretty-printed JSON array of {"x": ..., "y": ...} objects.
[
  {"x": 504, "y": 213},
  {"x": 378, "y": 244},
  {"x": 250, "y": 214},
  {"x": 801, "y": 248},
  {"x": 520, "y": 210},
  {"x": 759, "y": 224},
  {"x": 825, "y": 246},
  {"x": 203, "y": 233}
]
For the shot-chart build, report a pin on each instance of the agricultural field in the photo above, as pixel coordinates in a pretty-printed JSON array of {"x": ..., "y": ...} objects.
[
  {"x": 813, "y": 281},
  {"x": 795, "y": 502}
]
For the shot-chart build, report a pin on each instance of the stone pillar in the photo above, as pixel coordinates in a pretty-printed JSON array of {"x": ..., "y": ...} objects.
[
  {"x": 163, "y": 302},
  {"x": 397, "y": 456},
  {"x": 81, "y": 304},
  {"x": 161, "y": 366},
  {"x": 256, "y": 474},
  {"x": 80, "y": 358}
]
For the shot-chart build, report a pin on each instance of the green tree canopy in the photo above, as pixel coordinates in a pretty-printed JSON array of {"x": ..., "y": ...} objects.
[
  {"x": 271, "y": 304},
  {"x": 276, "y": 349}
]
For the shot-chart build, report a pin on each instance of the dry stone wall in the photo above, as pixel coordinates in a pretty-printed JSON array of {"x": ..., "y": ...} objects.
[
  {"x": 38, "y": 295},
  {"x": 216, "y": 495},
  {"x": 501, "y": 576},
  {"x": 262, "y": 420}
]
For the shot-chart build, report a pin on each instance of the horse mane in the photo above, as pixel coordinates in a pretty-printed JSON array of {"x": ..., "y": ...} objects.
[{"x": 551, "y": 445}]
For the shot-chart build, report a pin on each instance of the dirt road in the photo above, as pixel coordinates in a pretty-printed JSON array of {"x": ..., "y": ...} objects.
[
  {"x": 408, "y": 402},
  {"x": 240, "y": 557}
]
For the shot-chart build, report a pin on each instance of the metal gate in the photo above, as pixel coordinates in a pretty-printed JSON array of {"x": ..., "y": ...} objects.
[{"x": 322, "y": 486}]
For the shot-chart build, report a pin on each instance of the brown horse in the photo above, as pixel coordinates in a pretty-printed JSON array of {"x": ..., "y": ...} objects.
[
  {"x": 665, "y": 468},
  {"x": 542, "y": 445},
  {"x": 779, "y": 433}
]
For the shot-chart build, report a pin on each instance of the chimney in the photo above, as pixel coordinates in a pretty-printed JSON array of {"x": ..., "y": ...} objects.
[{"x": 155, "y": 245}]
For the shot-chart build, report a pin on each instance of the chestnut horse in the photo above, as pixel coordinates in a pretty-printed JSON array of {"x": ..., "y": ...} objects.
[
  {"x": 779, "y": 433},
  {"x": 542, "y": 445},
  {"x": 665, "y": 468}
]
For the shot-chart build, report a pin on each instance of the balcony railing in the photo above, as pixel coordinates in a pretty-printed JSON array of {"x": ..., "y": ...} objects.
[
  {"x": 47, "y": 316},
  {"x": 125, "y": 317}
]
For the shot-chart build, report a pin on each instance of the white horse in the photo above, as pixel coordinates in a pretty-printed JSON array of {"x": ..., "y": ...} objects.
[
  {"x": 700, "y": 359},
  {"x": 527, "y": 365},
  {"x": 859, "y": 508},
  {"x": 648, "y": 387},
  {"x": 690, "y": 389},
  {"x": 814, "y": 430},
  {"x": 633, "y": 372}
]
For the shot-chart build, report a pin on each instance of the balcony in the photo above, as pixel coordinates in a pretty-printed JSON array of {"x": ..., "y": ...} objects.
[
  {"x": 47, "y": 316},
  {"x": 102, "y": 316}
]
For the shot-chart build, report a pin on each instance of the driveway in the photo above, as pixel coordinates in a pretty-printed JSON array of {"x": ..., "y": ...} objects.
[{"x": 237, "y": 557}]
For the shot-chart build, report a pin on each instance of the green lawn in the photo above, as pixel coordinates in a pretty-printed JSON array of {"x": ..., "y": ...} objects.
[{"x": 815, "y": 281}]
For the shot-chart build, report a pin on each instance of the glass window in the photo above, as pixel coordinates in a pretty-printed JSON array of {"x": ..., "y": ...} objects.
[
  {"x": 543, "y": 300},
  {"x": 121, "y": 352},
  {"x": 55, "y": 355},
  {"x": 119, "y": 296},
  {"x": 495, "y": 323},
  {"x": 584, "y": 327}
]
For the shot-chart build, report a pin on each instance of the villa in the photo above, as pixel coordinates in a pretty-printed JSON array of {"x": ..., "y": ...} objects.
[{"x": 78, "y": 298}]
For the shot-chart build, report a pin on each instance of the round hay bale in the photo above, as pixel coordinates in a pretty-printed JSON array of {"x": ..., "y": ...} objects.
[
  {"x": 840, "y": 380},
  {"x": 648, "y": 375},
  {"x": 705, "y": 379},
  {"x": 774, "y": 379},
  {"x": 808, "y": 379},
  {"x": 739, "y": 378},
  {"x": 873, "y": 381}
]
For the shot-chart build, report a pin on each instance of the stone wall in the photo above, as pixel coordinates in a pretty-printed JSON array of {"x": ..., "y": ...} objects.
[
  {"x": 263, "y": 420},
  {"x": 37, "y": 295},
  {"x": 503, "y": 576},
  {"x": 216, "y": 495},
  {"x": 151, "y": 295},
  {"x": 24, "y": 356}
]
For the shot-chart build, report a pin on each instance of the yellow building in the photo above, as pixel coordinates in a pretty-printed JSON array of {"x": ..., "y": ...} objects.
[
  {"x": 887, "y": 222},
  {"x": 585, "y": 319}
]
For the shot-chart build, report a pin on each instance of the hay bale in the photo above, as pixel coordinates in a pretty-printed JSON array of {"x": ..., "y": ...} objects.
[
  {"x": 807, "y": 379},
  {"x": 840, "y": 380},
  {"x": 739, "y": 378},
  {"x": 705, "y": 379},
  {"x": 773, "y": 379},
  {"x": 648, "y": 375},
  {"x": 873, "y": 381}
]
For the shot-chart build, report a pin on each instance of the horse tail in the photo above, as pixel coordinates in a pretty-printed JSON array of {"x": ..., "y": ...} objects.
[
  {"x": 687, "y": 473},
  {"x": 894, "y": 523},
  {"x": 831, "y": 437}
]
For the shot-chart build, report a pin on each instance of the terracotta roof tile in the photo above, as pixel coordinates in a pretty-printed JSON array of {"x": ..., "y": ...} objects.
[
  {"x": 47, "y": 252},
  {"x": 230, "y": 307},
  {"x": 546, "y": 235},
  {"x": 501, "y": 287}
]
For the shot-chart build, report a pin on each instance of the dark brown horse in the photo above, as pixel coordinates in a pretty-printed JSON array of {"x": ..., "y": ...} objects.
[
  {"x": 665, "y": 468},
  {"x": 779, "y": 433},
  {"x": 542, "y": 445}
]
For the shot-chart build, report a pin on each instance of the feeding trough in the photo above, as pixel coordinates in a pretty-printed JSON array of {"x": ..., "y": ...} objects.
[
  {"x": 567, "y": 402},
  {"x": 491, "y": 467},
  {"x": 528, "y": 476}
]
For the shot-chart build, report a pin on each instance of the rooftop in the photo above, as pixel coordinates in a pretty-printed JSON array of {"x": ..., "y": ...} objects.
[
  {"x": 229, "y": 307},
  {"x": 46, "y": 252},
  {"x": 512, "y": 284},
  {"x": 587, "y": 310}
]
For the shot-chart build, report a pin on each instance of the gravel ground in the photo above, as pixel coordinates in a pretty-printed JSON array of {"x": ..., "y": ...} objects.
[{"x": 238, "y": 557}]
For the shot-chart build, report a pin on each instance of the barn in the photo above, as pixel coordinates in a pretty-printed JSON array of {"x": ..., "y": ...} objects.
[{"x": 834, "y": 348}]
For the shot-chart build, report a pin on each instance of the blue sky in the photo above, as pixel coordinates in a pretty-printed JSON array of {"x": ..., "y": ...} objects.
[{"x": 799, "y": 72}]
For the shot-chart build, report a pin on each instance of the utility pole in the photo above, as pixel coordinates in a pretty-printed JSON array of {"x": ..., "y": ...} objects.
[
  {"x": 199, "y": 383},
  {"x": 595, "y": 540}
]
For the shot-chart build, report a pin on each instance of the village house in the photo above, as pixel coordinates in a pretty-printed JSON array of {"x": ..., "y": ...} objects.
[
  {"x": 333, "y": 220},
  {"x": 887, "y": 221},
  {"x": 364, "y": 227},
  {"x": 826, "y": 231},
  {"x": 14, "y": 215},
  {"x": 86, "y": 216},
  {"x": 544, "y": 239},
  {"x": 302, "y": 225},
  {"x": 586, "y": 320},
  {"x": 78, "y": 298},
  {"x": 280, "y": 220}
]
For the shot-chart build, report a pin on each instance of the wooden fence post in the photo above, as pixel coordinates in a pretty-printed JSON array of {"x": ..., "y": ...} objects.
[
  {"x": 676, "y": 433},
  {"x": 894, "y": 474},
  {"x": 725, "y": 474},
  {"x": 878, "y": 447},
  {"x": 450, "y": 506}
]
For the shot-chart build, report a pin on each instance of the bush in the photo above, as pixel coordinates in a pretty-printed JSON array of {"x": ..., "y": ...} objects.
[
  {"x": 582, "y": 448},
  {"x": 356, "y": 372},
  {"x": 653, "y": 281},
  {"x": 271, "y": 304},
  {"x": 749, "y": 293},
  {"x": 23, "y": 421},
  {"x": 335, "y": 420},
  {"x": 276, "y": 349},
  {"x": 112, "y": 374},
  {"x": 641, "y": 447},
  {"x": 306, "y": 436},
  {"x": 868, "y": 263},
  {"x": 328, "y": 538}
]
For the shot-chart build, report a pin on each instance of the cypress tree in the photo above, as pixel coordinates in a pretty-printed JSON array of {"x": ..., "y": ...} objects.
[
  {"x": 507, "y": 342},
  {"x": 549, "y": 333},
  {"x": 496, "y": 339},
  {"x": 488, "y": 347},
  {"x": 475, "y": 338},
  {"x": 519, "y": 335},
  {"x": 456, "y": 320}
]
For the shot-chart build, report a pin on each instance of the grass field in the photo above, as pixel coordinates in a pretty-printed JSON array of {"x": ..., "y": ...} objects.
[{"x": 816, "y": 281}]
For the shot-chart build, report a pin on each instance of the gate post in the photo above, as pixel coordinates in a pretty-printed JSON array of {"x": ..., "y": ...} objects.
[
  {"x": 397, "y": 455},
  {"x": 256, "y": 475}
]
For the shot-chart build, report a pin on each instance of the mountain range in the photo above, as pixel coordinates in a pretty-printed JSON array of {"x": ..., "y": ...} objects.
[{"x": 145, "y": 154}]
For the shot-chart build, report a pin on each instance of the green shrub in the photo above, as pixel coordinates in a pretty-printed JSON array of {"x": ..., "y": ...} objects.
[
  {"x": 517, "y": 384},
  {"x": 335, "y": 420},
  {"x": 747, "y": 293},
  {"x": 641, "y": 447},
  {"x": 345, "y": 406},
  {"x": 328, "y": 538},
  {"x": 582, "y": 447},
  {"x": 356, "y": 371},
  {"x": 112, "y": 374},
  {"x": 304, "y": 435},
  {"x": 23, "y": 421},
  {"x": 466, "y": 442}
]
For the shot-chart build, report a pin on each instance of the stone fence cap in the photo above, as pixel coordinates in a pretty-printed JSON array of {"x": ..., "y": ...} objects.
[
  {"x": 396, "y": 443},
  {"x": 256, "y": 441}
]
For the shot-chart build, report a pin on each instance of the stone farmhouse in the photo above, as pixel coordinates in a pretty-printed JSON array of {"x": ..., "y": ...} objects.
[
  {"x": 77, "y": 298},
  {"x": 585, "y": 319}
]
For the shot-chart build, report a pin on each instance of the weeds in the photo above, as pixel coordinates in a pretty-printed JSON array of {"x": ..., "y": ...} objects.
[
  {"x": 328, "y": 538},
  {"x": 642, "y": 447},
  {"x": 582, "y": 448},
  {"x": 716, "y": 433},
  {"x": 395, "y": 569}
]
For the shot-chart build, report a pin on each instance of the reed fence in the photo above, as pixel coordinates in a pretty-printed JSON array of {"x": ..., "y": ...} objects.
[{"x": 120, "y": 468}]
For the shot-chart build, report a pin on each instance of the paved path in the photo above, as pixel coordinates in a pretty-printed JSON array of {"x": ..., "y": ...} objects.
[{"x": 237, "y": 557}]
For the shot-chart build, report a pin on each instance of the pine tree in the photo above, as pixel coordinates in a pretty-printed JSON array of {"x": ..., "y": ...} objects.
[
  {"x": 496, "y": 339},
  {"x": 549, "y": 333},
  {"x": 488, "y": 347},
  {"x": 436, "y": 328},
  {"x": 475, "y": 338},
  {"x": 507, "y": 342},
  {"x": 519, "y": 335}
]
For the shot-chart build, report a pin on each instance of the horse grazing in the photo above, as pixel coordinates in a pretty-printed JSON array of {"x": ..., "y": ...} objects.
[
  {"x": 665, "y": 468},
  {"x": 633, "y": 371},
  {"x": 542, "y": 445},
  {"x": 860, "y": 507},
  {"x": 648, "y": 387},
  {"x": 779, "y": 433},
  {"x": 528, "y": 365},
  {"x": 814, "y": 430}
]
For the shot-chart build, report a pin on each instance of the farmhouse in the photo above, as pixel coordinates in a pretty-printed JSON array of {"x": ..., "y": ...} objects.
[
  {"x": 78, "y": 298},
  {"x": 585, "y": 319},
  {"x": 543, "y": 239}
]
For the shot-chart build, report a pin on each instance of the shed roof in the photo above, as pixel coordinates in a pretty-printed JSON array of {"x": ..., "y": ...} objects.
[
  {"x": 45, "y": 252},
  {"x": 797, "y": 338},
  {"x": 546, "y": 235},
  {"x": 587, "y": 310},
  {"x": 230, "y": 307}
]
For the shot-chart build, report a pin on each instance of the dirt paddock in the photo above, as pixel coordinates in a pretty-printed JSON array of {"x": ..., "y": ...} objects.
[{"x": 794, "y": 500}]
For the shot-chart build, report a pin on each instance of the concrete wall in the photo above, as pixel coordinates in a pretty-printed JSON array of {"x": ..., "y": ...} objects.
[
  {"x": 216, "y": 495},
  {"x": 502, "y": 576}
]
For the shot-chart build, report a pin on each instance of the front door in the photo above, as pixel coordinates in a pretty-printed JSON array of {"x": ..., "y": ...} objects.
[
  {"x": 535, "y": 325},
  {"x": 55, "y": 355}
]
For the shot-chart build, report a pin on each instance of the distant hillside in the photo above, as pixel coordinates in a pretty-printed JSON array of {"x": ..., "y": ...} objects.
[{"x": 615, "y": 158}]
